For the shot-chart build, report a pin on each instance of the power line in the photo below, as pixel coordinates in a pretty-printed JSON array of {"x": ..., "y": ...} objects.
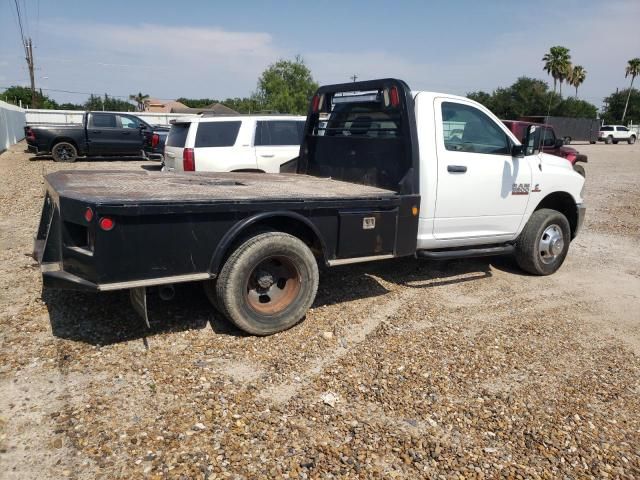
[
  {"x": 78, "y": 93},
  {"x": 20, "y": 22}
]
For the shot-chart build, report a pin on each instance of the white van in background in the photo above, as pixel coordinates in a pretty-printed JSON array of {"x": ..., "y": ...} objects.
[{"x": 254, "y": 143}]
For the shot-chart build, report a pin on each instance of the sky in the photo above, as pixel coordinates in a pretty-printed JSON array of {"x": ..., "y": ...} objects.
[{"x": 215, "y": 49}]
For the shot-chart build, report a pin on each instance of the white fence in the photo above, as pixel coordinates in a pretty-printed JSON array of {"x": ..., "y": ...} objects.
[
  {"x": 12, "y": 121},
  {"x": 63, "y": 117}
]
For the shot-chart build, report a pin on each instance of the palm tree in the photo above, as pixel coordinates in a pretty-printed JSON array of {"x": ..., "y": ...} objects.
[
  {"x": 633, "y": 69},
  {"x": 557, "y": 64},
  {"x": 577, "y": 77},
  {"x": 140, "y": 99}
]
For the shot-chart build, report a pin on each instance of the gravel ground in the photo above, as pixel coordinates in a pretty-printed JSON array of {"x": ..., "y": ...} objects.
[{"x": 402, "y": 369}]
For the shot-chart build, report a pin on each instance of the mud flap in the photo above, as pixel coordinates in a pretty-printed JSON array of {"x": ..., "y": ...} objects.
[{"x": 138, "y": 298}]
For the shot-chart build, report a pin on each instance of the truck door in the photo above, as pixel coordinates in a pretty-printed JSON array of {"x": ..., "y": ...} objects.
[
  {"x": 131, "y": 137},
  {"x": 103, "y": 134},
  {"x": 482, "y": 190},
  {"x": 277, "y": 142}
]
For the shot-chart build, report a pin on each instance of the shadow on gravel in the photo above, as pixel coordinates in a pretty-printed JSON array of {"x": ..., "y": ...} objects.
[
  {"x": 154, "y": 167},
  {"x": 35, "y": 158},
  {"x": 108, "y": 317}
]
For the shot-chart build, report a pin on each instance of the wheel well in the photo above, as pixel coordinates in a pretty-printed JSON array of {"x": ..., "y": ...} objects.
[
  {"x": 57, "y": 140},
  {"x": 565, "y": 204},
  {"x": 284, "y": 223}
]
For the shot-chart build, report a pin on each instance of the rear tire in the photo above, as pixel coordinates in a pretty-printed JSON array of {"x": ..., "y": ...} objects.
[
  {"x": 567, "y": 140},
  {"x": 580, "y": 170},
  {"x": 632, "y": 139},
  {"x": 267, "y": 284},
  {"x": 64, "y": 152},
  {"x": 543, "y": 244},
  {"x": 608, "y": 140}
]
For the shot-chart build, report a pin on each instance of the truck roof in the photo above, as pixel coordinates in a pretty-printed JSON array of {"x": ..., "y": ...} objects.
[{"x": 227, "y": 118}]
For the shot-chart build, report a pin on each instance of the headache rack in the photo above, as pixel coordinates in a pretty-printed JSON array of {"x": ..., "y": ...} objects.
[{"x": 363, "y": 132}]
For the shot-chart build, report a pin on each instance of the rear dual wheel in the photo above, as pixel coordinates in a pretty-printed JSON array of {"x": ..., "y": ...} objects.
[{"x": 267, "y": 284}]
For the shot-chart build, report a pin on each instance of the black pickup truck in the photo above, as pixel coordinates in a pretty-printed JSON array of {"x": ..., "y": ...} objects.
[{"x": 102, "y": 134}]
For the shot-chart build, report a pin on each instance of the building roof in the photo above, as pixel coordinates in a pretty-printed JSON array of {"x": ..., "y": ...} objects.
[
  {"x": 215, "y": 108},
  {"x": 162, "y": 106}
]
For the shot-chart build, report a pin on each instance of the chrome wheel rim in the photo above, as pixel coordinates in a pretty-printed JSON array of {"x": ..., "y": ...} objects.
[{"x": 551, "y": 244}]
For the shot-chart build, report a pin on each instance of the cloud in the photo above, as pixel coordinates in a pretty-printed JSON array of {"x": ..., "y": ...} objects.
[{"x": 162, "y": 60}]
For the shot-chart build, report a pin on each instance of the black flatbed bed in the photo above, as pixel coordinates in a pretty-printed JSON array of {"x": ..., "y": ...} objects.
[{"x": 144, "y": 187}]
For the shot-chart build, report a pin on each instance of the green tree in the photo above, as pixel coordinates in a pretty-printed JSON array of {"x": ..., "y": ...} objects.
[
  {"x": 196, "y": 102},
  {"x": 286, "y": 87},
  {"x": 577, "y": 77},
  {"x": 632, "y": 70},
  {"x": 116, "y": 105},
  {"x": 557, "y": 63},
  {"x": 625, "y": 101},
  {"x": 531, "y": 97},
  {"x": 70, "y": 106},
  {"x": 140, "y": 100},
  {"x": 94, "y": 102},
  {"x": 15, "y": 94}
]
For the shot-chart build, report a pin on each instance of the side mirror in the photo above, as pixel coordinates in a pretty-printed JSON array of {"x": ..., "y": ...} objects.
[
  {"x": 559, "y": 142},
  {"x": 517, "y": 151}
]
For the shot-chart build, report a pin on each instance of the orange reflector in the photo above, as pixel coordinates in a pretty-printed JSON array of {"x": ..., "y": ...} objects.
[
  {"x": 414, "y": 211},
  {"x": 107, "y": 224}
]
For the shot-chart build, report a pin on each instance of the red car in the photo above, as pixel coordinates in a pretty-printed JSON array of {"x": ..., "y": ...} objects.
[{"x": 550, "y": 143}]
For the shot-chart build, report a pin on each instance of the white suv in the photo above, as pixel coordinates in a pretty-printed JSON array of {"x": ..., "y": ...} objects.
[
  {"x": 252, "y": 143},
  {"x": 615, "y": 133}
]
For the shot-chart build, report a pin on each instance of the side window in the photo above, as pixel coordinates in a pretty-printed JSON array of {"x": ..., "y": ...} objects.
[
  {"x": 217, "y": 134},
  {"x": 103, "y": 120},
  {"x": 622, "y": 129},
  {"x": 549, "y": 139},
  {"x": 128, "y": 122},
  {"x": 279, "y": 132},
  {"x": 467, "y": 129}
]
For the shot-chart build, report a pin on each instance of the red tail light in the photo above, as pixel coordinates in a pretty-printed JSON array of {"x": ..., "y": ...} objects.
[
  {"x": 88, "y": 214},
  {"x": 315, "y": 104},
  {"x": 188, "y": 160},
  {"x": 155, "y": 139},
  {"x": 107, "y": 223},
  {"x": 394, "y": 96}
]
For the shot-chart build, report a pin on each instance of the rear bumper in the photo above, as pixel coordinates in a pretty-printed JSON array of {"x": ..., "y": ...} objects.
[{"x": 32, "y": 148}]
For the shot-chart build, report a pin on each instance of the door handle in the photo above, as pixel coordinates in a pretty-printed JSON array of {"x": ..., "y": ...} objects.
[
  {"x": 126, "y": 133},
  {"x": 456, "y": 168},
  {"x": 171, "y": 155},
  {"x": 96, "y": 131},
  {"x": 268, "y": 156}
]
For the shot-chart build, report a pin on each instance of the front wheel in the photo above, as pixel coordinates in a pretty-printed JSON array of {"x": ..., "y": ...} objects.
[
  {"x": 544, "y": 242},
  {"x": 268, "y": 283},
  {"x": 567, "y": 140},
  {"x": 64, "y": 152},
  {"x": 632, "y": 140},
  {"x": 608, "y": 140}
]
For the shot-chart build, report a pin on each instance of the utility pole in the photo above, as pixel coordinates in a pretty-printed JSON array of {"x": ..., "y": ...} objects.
[
  {"x": 354, "y": 77},
  {"x": 28, "y": 47}
]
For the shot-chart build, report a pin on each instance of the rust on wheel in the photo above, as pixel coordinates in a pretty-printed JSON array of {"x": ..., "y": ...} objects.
[{"x": 273, "y": 285}]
